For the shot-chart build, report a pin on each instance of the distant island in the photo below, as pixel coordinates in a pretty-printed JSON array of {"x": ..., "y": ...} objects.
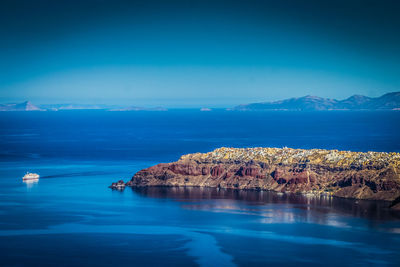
[
  {"x": 28, "y": 106},
  {"x": 370, "y": 175},
  {"x": 390, "y": 101},
  {"x": 134, "y": 108},
  {"x": 24, "y": 106}
]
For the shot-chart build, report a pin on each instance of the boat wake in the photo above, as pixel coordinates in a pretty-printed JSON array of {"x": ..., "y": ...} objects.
[{"x": 76, "y": 174}]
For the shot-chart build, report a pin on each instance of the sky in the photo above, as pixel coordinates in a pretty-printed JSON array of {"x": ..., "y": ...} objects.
[{"x": 196, "y": 53}]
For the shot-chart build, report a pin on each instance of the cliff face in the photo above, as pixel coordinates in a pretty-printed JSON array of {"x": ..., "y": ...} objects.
[{"x": 371, "y": 175}]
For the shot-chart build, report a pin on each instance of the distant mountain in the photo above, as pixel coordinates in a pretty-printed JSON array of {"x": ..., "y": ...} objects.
[
  {"x": 390, "y": 101},
  {"x": 28, "y": 106},
  {"x": 24, "y": 106}
]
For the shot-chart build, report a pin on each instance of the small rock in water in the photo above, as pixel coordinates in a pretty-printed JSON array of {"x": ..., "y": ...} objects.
[{"x": 120, "y": 185}]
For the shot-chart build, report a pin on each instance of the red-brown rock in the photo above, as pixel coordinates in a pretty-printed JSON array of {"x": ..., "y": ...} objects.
[{"x": 378, "y": 181}]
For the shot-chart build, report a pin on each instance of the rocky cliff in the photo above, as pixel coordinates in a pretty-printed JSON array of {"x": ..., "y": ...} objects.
[{"x": 370, "y": 175}]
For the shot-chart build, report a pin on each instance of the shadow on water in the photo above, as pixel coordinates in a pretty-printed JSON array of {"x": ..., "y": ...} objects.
[{"x": 372, "y": 210}]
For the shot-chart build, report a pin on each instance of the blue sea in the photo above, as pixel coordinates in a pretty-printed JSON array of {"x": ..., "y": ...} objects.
[{"x": 71, "y": 218}]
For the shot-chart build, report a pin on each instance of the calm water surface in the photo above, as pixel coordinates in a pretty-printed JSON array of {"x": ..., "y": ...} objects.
[{"x": 70, "y": 217}]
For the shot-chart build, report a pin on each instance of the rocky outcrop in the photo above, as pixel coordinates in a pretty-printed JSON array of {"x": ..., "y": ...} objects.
[
  {"x": 120, "y": 185},
  {"x": 370, "y": 175}
]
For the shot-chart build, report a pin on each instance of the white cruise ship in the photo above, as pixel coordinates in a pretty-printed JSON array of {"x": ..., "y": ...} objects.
[{"x": 30, "y": 176}]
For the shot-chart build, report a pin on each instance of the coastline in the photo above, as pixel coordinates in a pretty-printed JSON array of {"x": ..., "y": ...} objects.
[{"x": 314, "y": 172}]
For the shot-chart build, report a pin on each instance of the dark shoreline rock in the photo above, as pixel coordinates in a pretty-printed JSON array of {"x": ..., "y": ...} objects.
[
  {"x": 395, "y": 205},
  {"x": 370, "y": 175}
]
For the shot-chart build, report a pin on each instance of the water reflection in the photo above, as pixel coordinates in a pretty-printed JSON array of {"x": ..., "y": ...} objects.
[
  {"x": 31, "y": 183},
  {"x": 274, "y": 207}
]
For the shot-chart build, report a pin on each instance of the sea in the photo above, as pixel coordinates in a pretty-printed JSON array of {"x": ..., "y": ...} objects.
[{"x": 71, "y": 218}]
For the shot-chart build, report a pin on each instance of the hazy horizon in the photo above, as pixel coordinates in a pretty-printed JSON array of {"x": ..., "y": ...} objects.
[{"x": 156, "y": 103}]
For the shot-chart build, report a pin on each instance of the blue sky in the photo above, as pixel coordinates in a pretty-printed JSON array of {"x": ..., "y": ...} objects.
[{"x": 196, "y": 53}]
